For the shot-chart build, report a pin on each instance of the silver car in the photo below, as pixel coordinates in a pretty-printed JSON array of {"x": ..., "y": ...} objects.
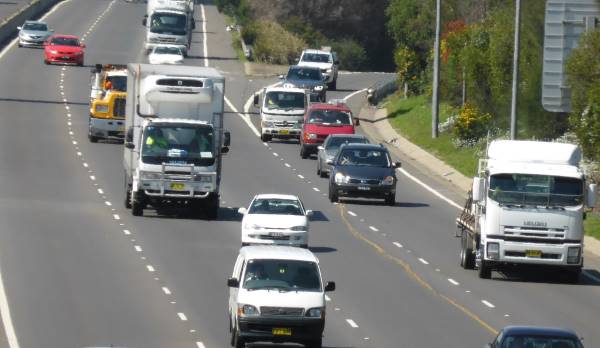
[
  {"x": 33, "y": 34},
  {"x": 330, "y": 147}
]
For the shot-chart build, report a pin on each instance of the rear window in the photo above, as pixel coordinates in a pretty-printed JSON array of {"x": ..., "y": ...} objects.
[{"x": 64, "y": 41}]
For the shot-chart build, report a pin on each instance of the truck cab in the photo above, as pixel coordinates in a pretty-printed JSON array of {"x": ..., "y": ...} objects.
[
  {"x": 281, "y": 112},
  {"x": 169, "y": 22},
  {"x": 107, "y": 102}
]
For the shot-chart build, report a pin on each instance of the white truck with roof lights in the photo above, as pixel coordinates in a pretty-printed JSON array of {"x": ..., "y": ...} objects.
[
  {"x": 175, "y": 138},
  {"x": 169, "y": 22},
  {"x": 281, "y": 112},
  {"x": 526, "y": 207}
]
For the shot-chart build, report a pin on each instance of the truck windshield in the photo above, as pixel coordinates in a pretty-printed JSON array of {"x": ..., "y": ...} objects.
[
  {"x": 168, "y": 23},
  {"x": 537, "y": 190},
  {"x": 118, "y": 83},
  {"x": 177, "y": 144},
  {"x": 284, "y": 100},
  {"x": 282, "y": 275}
]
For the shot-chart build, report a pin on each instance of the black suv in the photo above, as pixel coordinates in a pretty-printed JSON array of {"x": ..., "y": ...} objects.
[{"x": 363, "y": 170}]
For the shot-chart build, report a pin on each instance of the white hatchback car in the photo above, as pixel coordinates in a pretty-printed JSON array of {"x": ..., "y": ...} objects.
[
  {"x": 275, "y": 219},
  {"x": 165, "y": 54},
  {"x": 276, "y": 294}
]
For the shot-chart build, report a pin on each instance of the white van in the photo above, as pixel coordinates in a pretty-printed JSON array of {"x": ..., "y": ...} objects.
[{"x": 276, "y": 294}]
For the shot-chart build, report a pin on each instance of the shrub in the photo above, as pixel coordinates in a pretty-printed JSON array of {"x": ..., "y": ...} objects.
[
  {"x": 275, "y": 45},
  {"x": 471, "y": 124},
  {"x": 351, "y": 54}
]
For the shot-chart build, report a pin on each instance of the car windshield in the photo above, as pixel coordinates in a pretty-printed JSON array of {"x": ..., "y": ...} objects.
[
  {"x": 65, "y": 41},
  {"x": 276, "y": 206},
  {"x": 304, "y": 74},
  {"x": 282, "y": 275},
  {"x": 118, "y": 83},
  {"x": 536, "y": 190},
  {"x": 178, "y": 144},
  {"x": 363, "y": 157},
  {"x": 316, "y": 58},
  {"x": 334, "y": 143},
  {"x": 540, "y": 342},
  {"x": 284, "y": 100},
  {"x": 330, "y": 117},
  {"x": 35, "y": 27},
  {"x": 167, "y": 23},
  {"x": 167, "y": 50}
]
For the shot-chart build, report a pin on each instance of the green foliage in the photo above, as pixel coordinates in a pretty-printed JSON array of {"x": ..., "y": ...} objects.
[
  {"x": 306, "y": 31},
  {"x": 275, "y": 45},
  {"x": 583, "y": 68},
  {"x": 407, "y": 68},
  {"x": 351, "y": 54},
  {"x": 471, "y": 124},
  {"x": 249, "y": 33}
]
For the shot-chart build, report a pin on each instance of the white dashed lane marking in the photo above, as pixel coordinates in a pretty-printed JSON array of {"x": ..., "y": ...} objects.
[
  {"x": 300, "y": 176},
  {"x": 454, "y": 282},
  {"x": 166, "y": 290},
  {"x": 351, "y": 213},
  {"x": 200, "y": 345},
  {"x": 352, "y": 323},
  {"x": 316, "y": 189},
  {"x": 150, "y": 268},
  {"x": 488, "y": 304},
  {"x": 374, "y": 229},
  {"x": 182, "y": 316},
  {"x": 398, "y": 244},
  {"x": 423, "y": 261},
  {"x": 116, "y": 217},
  {"x": 138, "y": 248}
]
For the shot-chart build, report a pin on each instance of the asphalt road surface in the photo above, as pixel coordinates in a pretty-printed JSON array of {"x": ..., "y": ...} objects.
[{"x": 78, "y": 270}]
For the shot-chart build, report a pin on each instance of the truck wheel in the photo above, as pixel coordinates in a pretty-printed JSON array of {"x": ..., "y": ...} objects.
[
  {"x": 485, "y": 272},
  {"x": 467, "y": 258},
  {"x": 572, "y": 277},
  {"x": 314, "y": 344},
  {"x": 265, "y": 138},
  {"x": 303, "y": 152},
  {"x": 92, "y": 138},
  {"x": 128, "y": 198},
  {"x": 137, "y": 205},
  {"x": 236, "y": 340},
  {"x": 212, "y": 207}
]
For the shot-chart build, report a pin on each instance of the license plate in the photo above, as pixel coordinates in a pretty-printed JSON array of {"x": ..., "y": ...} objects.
[
  {"x": 121, "y": 129},
  {"x": 364, "y": 188},
  {"x": 278, "y": 331},
  {"x": 275, "y": 234},
  {"x": 66, "y": 57},
  {"x": 284, "y": 132},
  {"x": 533, "y": 253},
  {"x": 177, "y": 186}
]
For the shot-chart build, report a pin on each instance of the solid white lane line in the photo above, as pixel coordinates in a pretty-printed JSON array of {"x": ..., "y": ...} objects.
[
  {"x": 397, "y": 244},
  {"x": 487, "y": 303},
  {"x": 374, "y": 229},
  {"x": 166, "y": 290},
  {"x": 354, "y": 93},
  {"x": 316, "y": 189},
  {"x": 138, "y": 248},
  {"x": 350, "y": 212},
  {"x": 352, "y": 323},
  {"x": 423, "y": 261},
  {"x": 6, "y": 318},
  {"x": 244, "y": 117},
  {"x": 428, "y": 188},
  {"x": 182, "y": 316},
  {"x": 204, "y": 37},
  {"x": 453, "y": 281},
  {"x": 150, "y": 268}
]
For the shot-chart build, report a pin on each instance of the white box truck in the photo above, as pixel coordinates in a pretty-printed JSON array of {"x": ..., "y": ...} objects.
[
  {"x": 175, "y": 138},
  {"x": 281, "y": 112},
  {"x": 526, "y": 207},
  {"x": 169, "y": 22}
]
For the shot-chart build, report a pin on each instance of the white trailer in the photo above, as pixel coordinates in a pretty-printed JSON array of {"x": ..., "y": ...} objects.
[
  {"x": 175, "y": 138},
  {"x": 526, "y": 208},
  {"x": 169, "y": 22},
  {"x": 281, "y": 112}
]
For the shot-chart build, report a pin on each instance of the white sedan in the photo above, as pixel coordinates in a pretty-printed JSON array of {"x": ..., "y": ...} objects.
[
  {"x": 275, "y": 219},
  {"x": 165, "y": 54}
]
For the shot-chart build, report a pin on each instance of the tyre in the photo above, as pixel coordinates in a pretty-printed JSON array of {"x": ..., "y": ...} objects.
[
  {"x": 467, "y": 258},
  {"x": 128, "y": 198},
  {"x": 319, "y": 167},
  {"x": 303, "y": 152},
  {"x": 333, "y": 197},
  {"x": 137, "y": 205},
  {"x": 390, "y": 200},
  {"x": 485, "y": 272},
  {"x": 333, "y": 85},
  {"x": 92, "y": 138},
  {"x": 245, "y": 244},
  {"x": 572, "y": 277},
  {"x": 46, "y": 62},
  {"x": 314, "y": 344},
  {"x": 323, "y": 174},
  {"x": 236, "y": 340},
  {"x": 20, "y": 45},
  {"x": 212, "y": 207},
  {"x": 265, "y": 138}
]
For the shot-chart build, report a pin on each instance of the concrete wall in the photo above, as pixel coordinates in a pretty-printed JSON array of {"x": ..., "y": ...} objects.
[{"x": 8, "y": 27}]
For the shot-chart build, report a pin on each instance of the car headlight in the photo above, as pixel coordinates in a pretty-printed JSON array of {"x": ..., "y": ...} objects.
[
  {"x": 573, "y": 255},
  {"x": 153, "y": 39},
  {"x": 203, "y": 178},
  {"x": 78, "y": 53},
  {"x": 249, "y": 226},
  {"x": 310, "y": 136},
  {"x": 101, "y": 108},
  {"x": 341, "y": 178},
  {"x": 315, "y": 312},
  {"x": 149, "y": 176},
  {"x": 288, "y": 85},
  {"x": 318, "y": 88},
  {"x": 329, "y": 71},
  {"x": 388, "y": 180},
  {"x": 245, "y": 310},
  {"x": 298, "y": 228},
  {"x": 493, "y": 251},
  {"x": 53, "y": 52}
]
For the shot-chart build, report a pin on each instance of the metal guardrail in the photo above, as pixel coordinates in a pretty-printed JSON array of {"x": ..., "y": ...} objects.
[{"x": 380, "y": 90}]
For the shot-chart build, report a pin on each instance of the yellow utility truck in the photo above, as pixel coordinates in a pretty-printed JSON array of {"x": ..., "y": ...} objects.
[{"x": 107, "y": 102}]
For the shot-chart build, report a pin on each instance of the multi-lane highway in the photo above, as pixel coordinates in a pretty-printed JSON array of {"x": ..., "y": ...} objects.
[{"x": 78, "y": 270}]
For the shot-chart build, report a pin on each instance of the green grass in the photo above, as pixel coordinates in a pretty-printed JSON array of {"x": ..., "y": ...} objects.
[
  {"x": 591, "y": 225},
  {"x": 412, "y": 119}
]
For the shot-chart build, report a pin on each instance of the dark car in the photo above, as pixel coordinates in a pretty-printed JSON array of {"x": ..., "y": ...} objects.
[
  {"x": 330, "y": 148},
  {"x": 309, "y": 78},
  {"x": 363, "y": 170},
  {"x": 533, "y": 337}
]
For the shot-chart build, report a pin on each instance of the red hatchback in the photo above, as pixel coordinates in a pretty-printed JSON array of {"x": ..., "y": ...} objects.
[
  {"x": 321, "y": 120},
  {"x": 63, "y": 49}
]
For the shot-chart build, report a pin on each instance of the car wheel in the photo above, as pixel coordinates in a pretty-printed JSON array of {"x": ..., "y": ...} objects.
[
  {"x": 314, "y": 344},
  {"x": 46, "y": 62},
  {"x": 323, "y": 174},
  {"x": 19, "y": 45},
  {"x": 333, "y": 197},
  {"x": 485, "y": 271},
  {"x": 467, "y": 258},
  {"x": 303, "y": 152},
  {"x": 390, "y": 200},
  {"x": 333, "y": 85}
]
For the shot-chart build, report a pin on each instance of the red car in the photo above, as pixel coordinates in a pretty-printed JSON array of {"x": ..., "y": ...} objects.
[
  {"x": 321, "y": 120},
  {"x": 63, "y": 49}
]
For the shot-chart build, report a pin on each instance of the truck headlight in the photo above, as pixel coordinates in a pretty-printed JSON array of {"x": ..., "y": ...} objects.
[
  {"x": 388, "y": 180},
  {"x": 149, "y": 176},
  {"x": 298, "y": 228},
  {"x": 203, "y": 178},
  {"x": 341, "y": 178},
  {"x": 493, "y": 251},
  {"x": 573, "y": 255},
  {"x": 267, "y": 124},
  {"x": 101, "y": 108},
  {"x": 245, "y": 310},
  {"x": 317, "y": 312}
]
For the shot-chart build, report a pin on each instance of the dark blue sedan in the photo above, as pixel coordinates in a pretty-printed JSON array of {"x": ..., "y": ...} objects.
[{"x": 535, "y": 337}]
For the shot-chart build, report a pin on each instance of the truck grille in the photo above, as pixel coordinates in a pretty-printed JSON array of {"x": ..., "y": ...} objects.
[
  {"x": 534, "y": 232},
  {"x": 285, "y": 124},
  {"x": 119, "y": 107},
  {"x": 272, "y": 237},
  {"x": 166, "y": 39},
  {"x": 282, "y": 311},
  {"x": 546, "y": 256}
]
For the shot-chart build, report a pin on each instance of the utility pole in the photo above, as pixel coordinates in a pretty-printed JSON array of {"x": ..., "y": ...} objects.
[
  {"x": 435, "y": 103},
  {"x": 515, "y": 82}
]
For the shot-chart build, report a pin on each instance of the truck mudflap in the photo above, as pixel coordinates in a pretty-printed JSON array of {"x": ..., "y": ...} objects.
[{"x": 180, "y": 181}]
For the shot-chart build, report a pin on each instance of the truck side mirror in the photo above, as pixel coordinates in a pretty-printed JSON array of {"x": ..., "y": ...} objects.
[
  {"x": 592, "y": 195},
  {"x": 397, "y": 164},
  {"x": 226, "y": 138},
  {"x": 478, "y": 189},
  {"x": 330, "y": 286},
  {"x": 129, "y": 135},
  {"x": 130, "y": 145},
  {"x": 233, "y": 283},
  {"x": 19, "y": 28},
  {"x": 256, "y": 100},
  {"x": 144, "y": 21}
]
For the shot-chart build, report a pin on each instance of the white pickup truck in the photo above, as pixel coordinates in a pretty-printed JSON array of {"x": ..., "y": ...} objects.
[{"x": 281, "y": 112}]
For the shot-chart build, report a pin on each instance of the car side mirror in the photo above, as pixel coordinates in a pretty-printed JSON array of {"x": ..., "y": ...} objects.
[
  {"x": 281, "y": 77},
  {"x": 336, "y": 62},
  {"x": 233, "y": 282},
  {"x": 397, "y": 164},
  {"x": 242, "y": 211},
  {"x": 309, "y": 213},
  {"x": 256, "y": 100},
  {"x": 329, "y": 161},
  {"x": 320, "y": 148},
  {"x": 330, "y": 286},
  {"x": 356, "y": 122},
  {"x": 226, "y": 138}
]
